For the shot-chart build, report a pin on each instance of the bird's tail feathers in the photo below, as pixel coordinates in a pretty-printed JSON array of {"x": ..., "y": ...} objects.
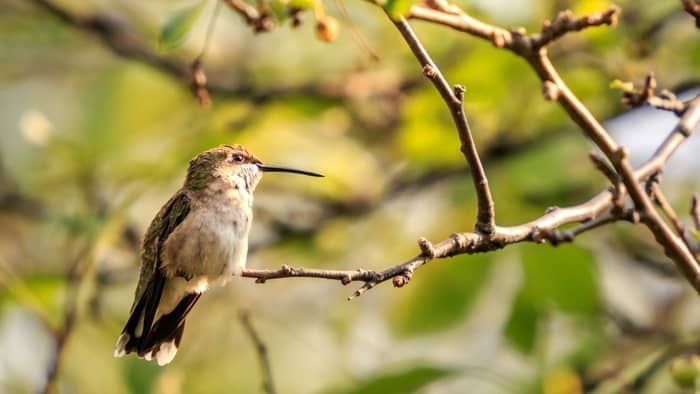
[{"x": 160, "y": 341}]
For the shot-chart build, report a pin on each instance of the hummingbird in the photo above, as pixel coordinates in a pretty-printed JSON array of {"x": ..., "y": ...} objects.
[{"x": 198, "y": 238}]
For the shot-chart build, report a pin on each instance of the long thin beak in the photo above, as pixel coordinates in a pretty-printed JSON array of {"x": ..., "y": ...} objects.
[{"x": 271, "y": 168}]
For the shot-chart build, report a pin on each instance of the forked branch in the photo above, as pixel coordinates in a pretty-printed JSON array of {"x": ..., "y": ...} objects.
[{"x": 606, "y": 207}]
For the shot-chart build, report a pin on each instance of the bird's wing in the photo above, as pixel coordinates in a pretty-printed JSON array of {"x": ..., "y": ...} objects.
[{"x": 151, "y": 278}]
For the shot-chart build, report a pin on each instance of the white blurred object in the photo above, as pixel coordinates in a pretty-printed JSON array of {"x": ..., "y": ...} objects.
[
  {"x": 35, "y": 127},
  {"x": 25, "y": 351},
  {"x": 643, "y": 129}
]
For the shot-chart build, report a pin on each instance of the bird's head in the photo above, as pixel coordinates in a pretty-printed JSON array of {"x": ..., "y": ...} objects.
[{"x": 234, "y": 164}]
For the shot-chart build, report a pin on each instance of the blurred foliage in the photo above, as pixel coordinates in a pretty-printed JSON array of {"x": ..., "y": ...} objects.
[
  {"x": 93, "y": 143},
  {"x": 404, "y": 382}
]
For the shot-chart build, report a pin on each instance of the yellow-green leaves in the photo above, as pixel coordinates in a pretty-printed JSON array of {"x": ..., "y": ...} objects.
[
  {"x": 563, "y": 278},
  {"x": 398, "y": 8},
  {"x": 443, "y": 295},
  {"x": 178, "y": 25},
  {"x": 406, "y": 381}
]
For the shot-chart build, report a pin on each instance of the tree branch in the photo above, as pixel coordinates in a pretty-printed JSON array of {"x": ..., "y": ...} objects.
[
  {"x": 119, "y": 38},
  {"x": 695, "y": 212},
  {"x": 533, "y": 49},
  {"x": 545, "y": 227},
  {"x": 665, "y": 100},
  {"x": 261, "y": 349},
  {"x": 693, "y": 9},
  {"x": 259, "y": 19},
  {"x": 453, "y": 97}
]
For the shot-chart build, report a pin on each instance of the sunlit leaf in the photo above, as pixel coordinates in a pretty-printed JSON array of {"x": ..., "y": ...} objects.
[
  {"x": 178, "y": 25},
  {"x": 398, "y": 8},
  {"x": 303, "y": 4},
  {"x": 621, "y": 85}
]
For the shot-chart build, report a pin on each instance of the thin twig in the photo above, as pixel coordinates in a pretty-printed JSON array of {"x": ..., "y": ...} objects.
[
  {"x": 665, "y": 100},
  {"x": 261, "y": 349},
  {"x": 74, "y": 278},
  {"x": 695, "y": 212},
  {"x": 259, "y": 19},
  {"x": 197, "y": 75},
  {"x": 693, "y": 9},
  {"x": 660, "y": 200},
  {"x": 566, "y": 22},
  {"x": 357, "y": 35},
  {"x": 453, "y": 97},
  {"x": 117, "y": 37}
]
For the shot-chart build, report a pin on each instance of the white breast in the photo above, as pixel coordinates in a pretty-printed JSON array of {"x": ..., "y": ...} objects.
[{"x": 211, "y": 244}]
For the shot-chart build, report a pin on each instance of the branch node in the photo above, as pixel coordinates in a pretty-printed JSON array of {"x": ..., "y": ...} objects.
[
  {"x": 429, "y": 71},
  {"x": 551, "y": 209},
  {"x": 198, "y": 83},
  {"x": 498, "y": 39},
  {"x": 538, "y": 235},
  {"x": 550, "y": 90},
  {"x": 402, "y": 279},
  {"x": 346, "y": 280},
  {"x": 459, "y": 92},
  {"x": 620, "y": 154},
  {"x": 426, "y": 247},
  {"x": 287, "y": 270},
  {"x": 635, "y": 217}
]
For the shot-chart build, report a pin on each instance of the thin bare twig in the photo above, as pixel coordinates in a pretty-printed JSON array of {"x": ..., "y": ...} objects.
[
  {"x": 260, "y": 19},
  {"x": 665, "y": 100},
  {"x": 74, "y": 278},
  {"x": 119, "y": 38},
  {"x": 198, "y": 77},
  {"x": 261, "y": 349},
  {"x": 566, "y": 22},
  {"x": 660, "y": 200},
  {"x": 693, "y": 9},
  {"x": 357, "y": 35},
  {"x": 695, "y": 212},
  {"x": 454, "y": 98}
]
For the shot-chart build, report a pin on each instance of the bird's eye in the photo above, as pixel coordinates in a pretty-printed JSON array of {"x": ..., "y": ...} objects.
[{"x": 237, "y": 158}]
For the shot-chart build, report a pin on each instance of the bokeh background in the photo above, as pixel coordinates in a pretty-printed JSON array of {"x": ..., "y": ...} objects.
[{"x": 93, "y": 142}]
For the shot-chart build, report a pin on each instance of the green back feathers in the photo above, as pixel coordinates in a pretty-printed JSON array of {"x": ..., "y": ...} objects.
[{"x": 169, "y": 217}]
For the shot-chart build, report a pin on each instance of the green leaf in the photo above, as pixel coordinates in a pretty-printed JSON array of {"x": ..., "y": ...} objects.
[
  {"x": 398, "y": 8},
  {"x": 140, "y": 376},
  {"x": 625, "y": 86},
  {"x": 178, "y": 25},
  {"x": 303, "y": 4},
  {"x": 521, "y": 327},
  {"x": 442, "y": 296},
  {"x": 42, "y": 293},
  {"x": 563, "y": 276},
  {"x": 406, "y": 381}
]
